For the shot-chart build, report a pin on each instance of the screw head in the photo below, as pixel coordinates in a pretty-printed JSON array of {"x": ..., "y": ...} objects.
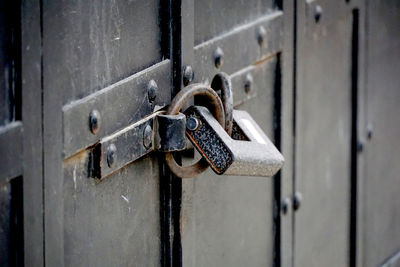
[
  {"x": 261, "y": 33},
  {"x": 152, "y": 89},
  {"x": 248, "y": 82},
  {"x": 317, "y": 13},
  {"x": 192, "y": 124},
  {"x": 111, "y": 157},
  {"x": 218, "y": 57},
  {"x": 147, "y": 137},
  {"x": 188, "y": 75},
  {"x": 94, "y": 121}
]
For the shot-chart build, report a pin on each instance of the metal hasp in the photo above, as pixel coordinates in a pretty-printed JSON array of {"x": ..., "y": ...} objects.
[
  {"x": 248, "y": 152},
  {"x": 165, "y": 133}
]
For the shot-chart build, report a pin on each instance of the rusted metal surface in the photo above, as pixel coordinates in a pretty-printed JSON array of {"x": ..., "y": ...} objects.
[
  {"x": 164, "y": 133},
  {"x": 221, "y": 83},
  {"x": 243, "y": 37},
  {"x": 176, "y": 105},
  {"x": 118, "y": 106},
  {"x": 169, "y": 132}
]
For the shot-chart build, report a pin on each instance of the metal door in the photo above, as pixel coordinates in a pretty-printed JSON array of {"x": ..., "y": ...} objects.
[{"x": 320, "y": 78}]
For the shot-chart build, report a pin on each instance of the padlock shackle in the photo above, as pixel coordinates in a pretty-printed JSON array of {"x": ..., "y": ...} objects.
[{"x": 176, "y": 105}]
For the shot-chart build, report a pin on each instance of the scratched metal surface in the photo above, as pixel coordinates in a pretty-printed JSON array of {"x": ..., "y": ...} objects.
[
  {"x": 88, "y": 45},
  {"x": 323, "y": 135},
  {"x": 381, "y": 183}
]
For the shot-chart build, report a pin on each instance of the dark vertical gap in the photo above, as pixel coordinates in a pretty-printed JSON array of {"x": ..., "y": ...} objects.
[
  {"x": 171, "y": 186},
  {"x": 165, "y": 214},
  {"x": 165, "y": 177},
  {"x": 164, "y": 24},
  {"x": 278, "y": 4},
  {"x": 294, "y": 119},
  {"x": 13, "y": 19},
  {"x": 177, "y": 82},
  {"x": 354, "y": 139},
  {"x": 16, "y": 250},
  {"x": 277, "y": 177},
  {"x": 13, "y": 25},
  {"x": 42, "y": 129}
]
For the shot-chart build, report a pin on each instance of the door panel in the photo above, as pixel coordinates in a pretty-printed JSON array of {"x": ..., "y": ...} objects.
[
  {"x": 381, "y": 182},
  {"x": 229, "y": 221},
  {"x": 98, "y": 55},
  {"x": 323, "y": 134}
]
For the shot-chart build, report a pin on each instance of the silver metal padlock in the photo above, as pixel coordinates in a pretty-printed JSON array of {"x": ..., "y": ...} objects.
[{"x": 249, "y": 152}]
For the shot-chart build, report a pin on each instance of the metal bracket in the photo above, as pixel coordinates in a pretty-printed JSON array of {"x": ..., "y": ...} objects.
[{"x": 165, "y": 133}]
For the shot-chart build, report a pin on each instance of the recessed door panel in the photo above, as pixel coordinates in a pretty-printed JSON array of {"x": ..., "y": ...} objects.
[
  {"x": 225, "y": 220},
  {"x": 323, "y": 134},
  {"x": 96, "y": 55}
]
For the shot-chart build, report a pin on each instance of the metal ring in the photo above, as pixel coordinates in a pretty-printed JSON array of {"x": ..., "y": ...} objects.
[
  {"x": 173, "y": 109},
  {"x": 222, "y": 82}
]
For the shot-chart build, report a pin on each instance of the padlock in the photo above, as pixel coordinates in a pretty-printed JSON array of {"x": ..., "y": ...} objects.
[{"x": 249, "y": 152}]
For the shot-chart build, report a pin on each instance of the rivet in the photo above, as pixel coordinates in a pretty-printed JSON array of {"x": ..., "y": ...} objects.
[
  {"x": 317, "y": 13},
  {"x": 261, "y": 33},
  {"x": 94, "y": 121},
  {"x": 188, "y": 75},
  {"x": 152, "y": 90},
  {"x": 248, "y": 82},
  {"x": 370, "y": 131},
  {"x": 360, "y": 146},
  {"x": 147, "y": 137},
  {"x": 192, "y": 123},
  {"x": 111, "y": 150},
  {"x": 218, "y": 57},
  {"x": 285, "y": 205},
  {"x": 297, "y": 198}
]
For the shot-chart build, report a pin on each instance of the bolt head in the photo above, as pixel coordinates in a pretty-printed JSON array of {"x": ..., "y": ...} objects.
[
  {"x": 192, "y": 124},
  {"x": 147, "y": 137},
  {"x": 111, "y": 155},
  {"x": 261, "y": 33},
  {"x": 152, "y": 89},
  {"x": 94, "y": 121},
  {"x": 318, "y": 13},
  {"x": 188, "y": 75},
  {"x": 248, "y": 82},
  {"x": 218, "y": 57}
]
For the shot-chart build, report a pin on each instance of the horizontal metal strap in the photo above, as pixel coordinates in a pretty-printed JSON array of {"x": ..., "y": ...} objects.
[
  {"x": 160, "y": 132},
  {"x": 241, "y": 47},
  {"x": 11, "y": 163},
  {"x": 117, "y": 106}
]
